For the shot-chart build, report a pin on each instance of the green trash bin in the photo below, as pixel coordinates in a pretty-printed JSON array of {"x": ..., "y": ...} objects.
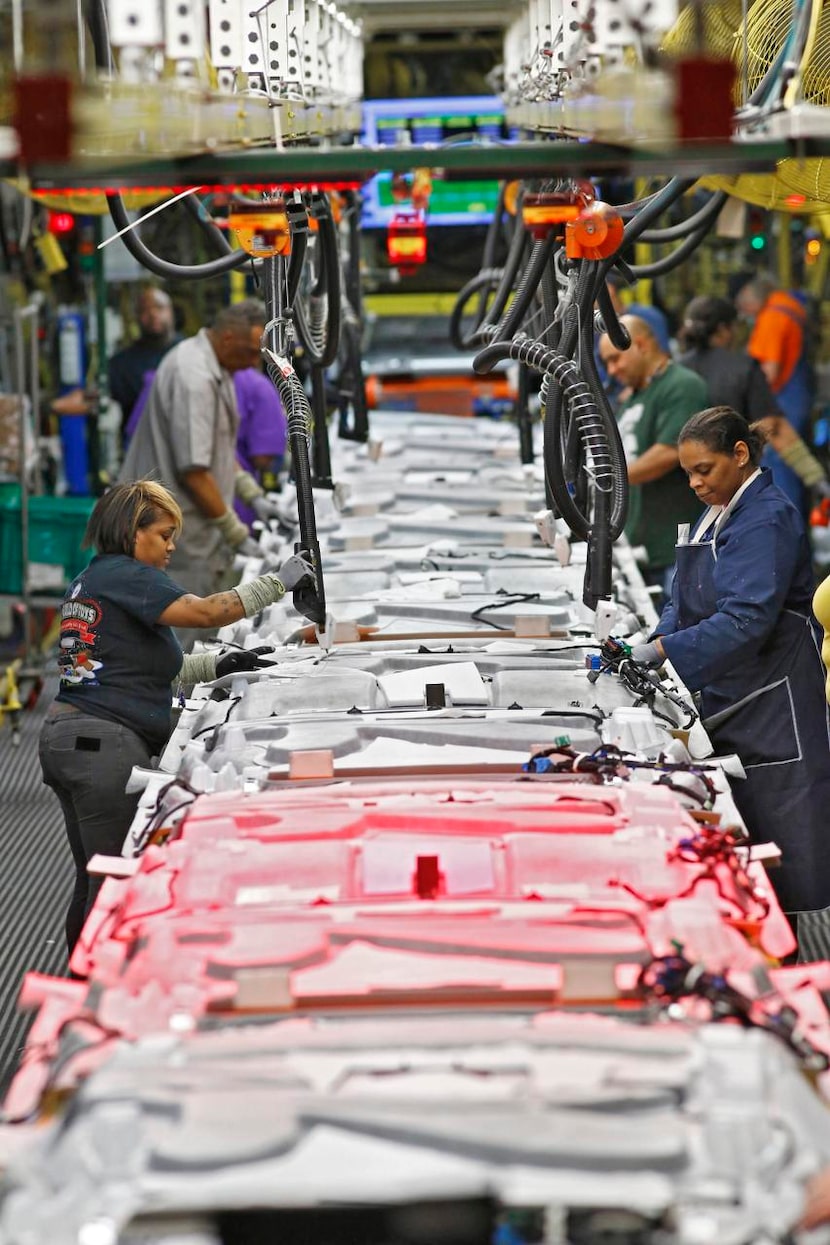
[{"x": 56, "y": 531}]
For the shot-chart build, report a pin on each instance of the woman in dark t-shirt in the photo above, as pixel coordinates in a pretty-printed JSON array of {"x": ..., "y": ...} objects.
[{"x": 118, "y": 658}]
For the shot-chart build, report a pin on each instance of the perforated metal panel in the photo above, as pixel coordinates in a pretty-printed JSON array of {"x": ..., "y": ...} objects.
[
  {"x": 184, "y": 29},
  {"x": 226, "y": 29},
  {"x": 310, "y": 62},
  {"x": 135, "y": 23}
]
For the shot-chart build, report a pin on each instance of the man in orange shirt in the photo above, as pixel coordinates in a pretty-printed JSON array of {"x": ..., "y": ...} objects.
[{"x": 778, "y": 341}]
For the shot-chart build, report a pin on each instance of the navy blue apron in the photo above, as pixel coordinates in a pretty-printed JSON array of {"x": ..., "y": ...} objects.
[{"x": 777, "y": 724}]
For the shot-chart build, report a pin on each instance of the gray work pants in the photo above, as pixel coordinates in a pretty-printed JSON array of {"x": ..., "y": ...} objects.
[{"x": 87, "y": 761}]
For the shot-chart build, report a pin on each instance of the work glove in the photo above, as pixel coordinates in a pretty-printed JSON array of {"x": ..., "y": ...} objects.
[
  {"x": 266, "y": 507},
  {"x": 205, "y": 667},
  {"x": 294, "y": 570},
  {"x": 806, "y": 466},
  {"x": 235, "y": 533},
  {"x": 238, "y": 660},
  {"x": 269, "y": 588},
  {"x": 647, "y": 654}
]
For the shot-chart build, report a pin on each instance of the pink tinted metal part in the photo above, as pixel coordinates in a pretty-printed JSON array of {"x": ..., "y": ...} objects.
[{"x": 378, "y": 895}]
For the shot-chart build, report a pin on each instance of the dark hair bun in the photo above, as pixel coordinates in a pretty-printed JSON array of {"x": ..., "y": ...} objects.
[{"x": 720, "y": 428}]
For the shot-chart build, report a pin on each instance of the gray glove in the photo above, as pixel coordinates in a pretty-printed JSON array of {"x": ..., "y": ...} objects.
[
  {"x": 232, "y": 530},
  {"x": 647, "y": 654},
  {"x": 294, "y": 570},
  {"x": 245, "y": 487},
  {"x": 269, "y": 588},
  {"x": 266, "y": 507}
]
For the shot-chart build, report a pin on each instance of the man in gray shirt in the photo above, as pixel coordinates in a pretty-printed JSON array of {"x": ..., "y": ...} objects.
[{"x": 186, "y": 438}]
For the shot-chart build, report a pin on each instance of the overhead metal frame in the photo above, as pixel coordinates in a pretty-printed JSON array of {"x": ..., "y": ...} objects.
[{"x": 326, "y": 164}]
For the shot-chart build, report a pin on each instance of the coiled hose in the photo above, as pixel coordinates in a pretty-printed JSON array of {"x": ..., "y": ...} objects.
[
  {"x": 602, "y": 454},
  {"x": 481, "y": 285},
  {"x": 310, "y": 601},
  {"x": 565, "y": 478},
  {"x": 318, "y": 325}
]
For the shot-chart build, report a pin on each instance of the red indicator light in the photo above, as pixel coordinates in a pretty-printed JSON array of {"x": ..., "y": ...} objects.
[
  {"x": 61, "y": 222},
  {"x": 406, "y": 240}
]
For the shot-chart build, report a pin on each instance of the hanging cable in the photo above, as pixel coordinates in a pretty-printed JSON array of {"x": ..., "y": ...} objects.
[
  {"x": 164, "y": 267},
  {"x": 669, "y": 262},
  {"x": 704, "y": 216}
]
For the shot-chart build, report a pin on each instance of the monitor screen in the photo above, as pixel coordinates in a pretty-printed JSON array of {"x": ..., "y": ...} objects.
[{"x": 394, "y": 122}]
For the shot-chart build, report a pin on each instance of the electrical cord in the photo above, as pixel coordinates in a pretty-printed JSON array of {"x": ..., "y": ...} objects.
[
  {"x": 670, "y": 978},
  {"x": 703, "y": 216},
  {"x": 615, "y": 658},
  {"x": 669, "y": 262},
  {"x": 164, "y": 267},
  {"x": 511, "y": 598}
]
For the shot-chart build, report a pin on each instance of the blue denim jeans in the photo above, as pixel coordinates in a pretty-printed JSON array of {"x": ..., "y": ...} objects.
[{"x": 87, "y": 762}]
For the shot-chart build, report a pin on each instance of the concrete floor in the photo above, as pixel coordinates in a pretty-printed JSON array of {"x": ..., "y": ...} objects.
[{"x": 35, "y": 876}]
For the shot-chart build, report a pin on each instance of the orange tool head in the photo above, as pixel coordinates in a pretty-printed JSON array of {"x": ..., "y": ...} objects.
[{"x": 595, "y": 233}]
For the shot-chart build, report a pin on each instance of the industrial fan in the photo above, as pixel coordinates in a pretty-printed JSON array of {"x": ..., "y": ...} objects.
[{"x": 778, "y": 32}]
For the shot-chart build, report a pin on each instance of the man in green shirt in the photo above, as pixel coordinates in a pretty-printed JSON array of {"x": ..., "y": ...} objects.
[{"x": 659, "y": 396}]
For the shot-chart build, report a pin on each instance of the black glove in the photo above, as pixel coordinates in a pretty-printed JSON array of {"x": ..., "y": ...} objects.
[{"x": 241, "y": 659}]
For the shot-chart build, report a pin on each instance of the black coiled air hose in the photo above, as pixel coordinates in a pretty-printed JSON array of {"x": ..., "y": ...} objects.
[
  {"x": 480, "y": 285},
  {"x": 298, "y": 414},
  {"x": 610, "y": 480},
  {"x": 319, "y": 329},
  {"x": 591, "y": 376},
  {"x": 564, "y": 448}
]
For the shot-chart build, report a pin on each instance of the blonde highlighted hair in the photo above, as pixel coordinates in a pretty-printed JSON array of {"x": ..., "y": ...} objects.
[{"x": 124, "y": 510}]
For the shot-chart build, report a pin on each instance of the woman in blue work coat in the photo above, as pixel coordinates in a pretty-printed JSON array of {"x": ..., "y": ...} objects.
[{"x": 739, "y": 630}]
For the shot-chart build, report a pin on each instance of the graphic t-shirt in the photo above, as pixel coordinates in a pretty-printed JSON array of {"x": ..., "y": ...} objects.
[
  {"x": 655, "y": 416},
  {"x": 116, "y": 660}
]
